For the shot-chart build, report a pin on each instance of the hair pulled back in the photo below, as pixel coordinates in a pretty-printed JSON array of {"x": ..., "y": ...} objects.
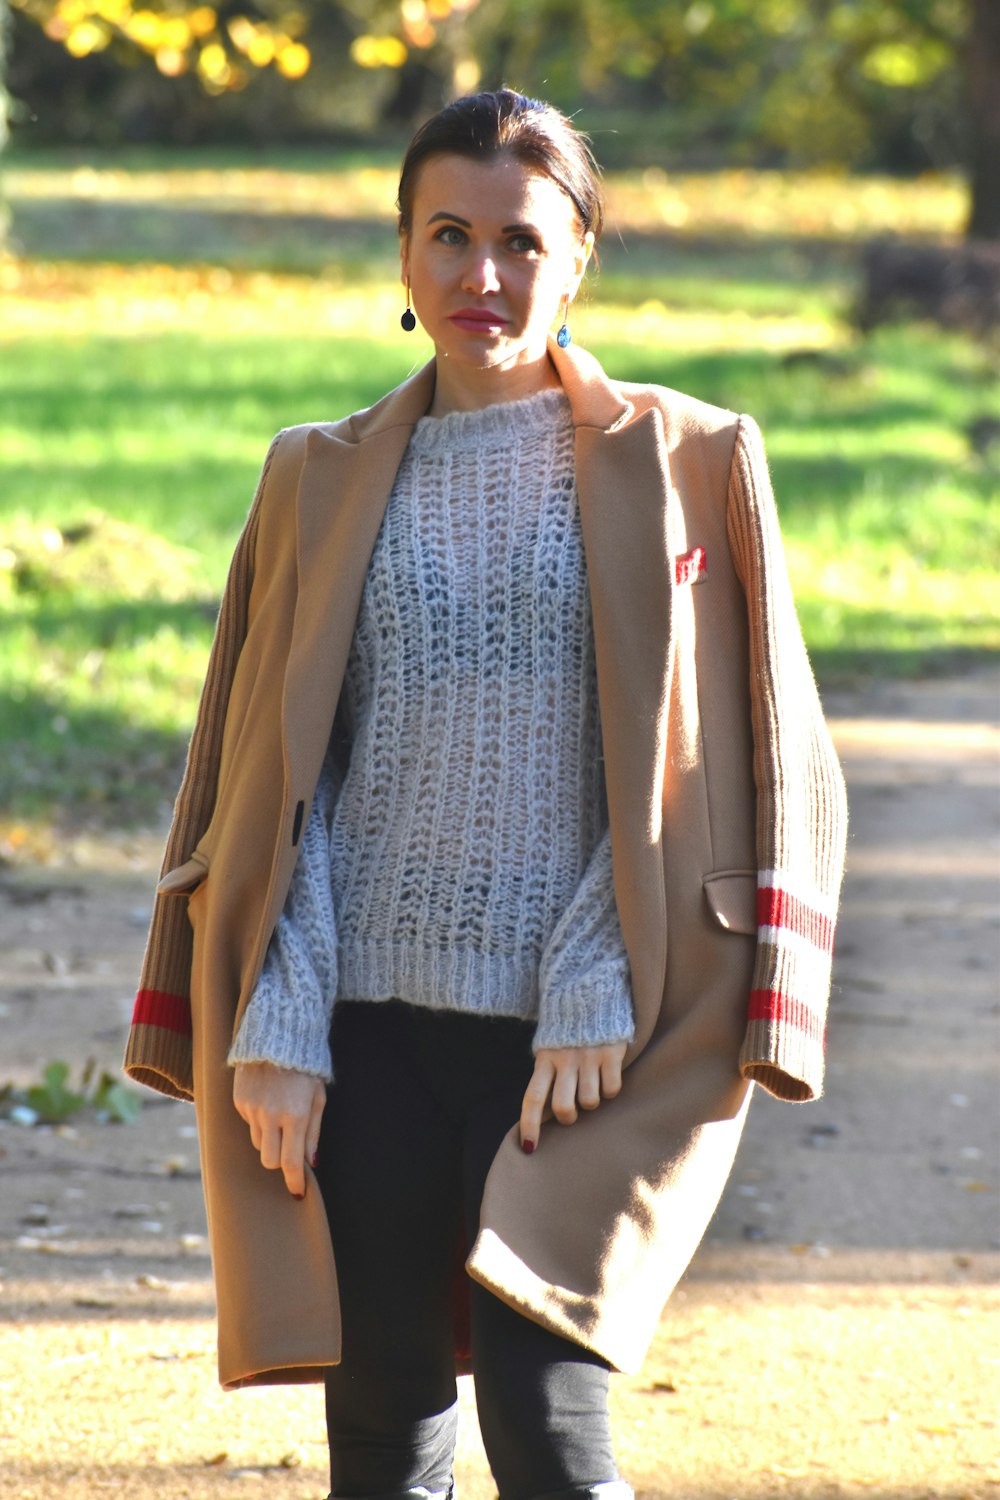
[{"x": 489, "y": 125}]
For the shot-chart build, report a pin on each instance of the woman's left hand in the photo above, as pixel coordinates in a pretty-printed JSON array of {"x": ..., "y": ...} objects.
[{"x": 571, "y": 1078}]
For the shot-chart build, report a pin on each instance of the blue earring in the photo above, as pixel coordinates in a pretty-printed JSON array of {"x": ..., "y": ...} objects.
[
  {"x": 564, "y": 338},
  {"x": 408, "y": 322}
]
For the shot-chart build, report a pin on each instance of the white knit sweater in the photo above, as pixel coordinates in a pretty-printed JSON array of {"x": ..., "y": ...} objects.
[{"x": 461, "y": 859}]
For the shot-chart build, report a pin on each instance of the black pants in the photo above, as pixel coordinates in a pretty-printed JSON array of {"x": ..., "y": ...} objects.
[{"x": 419, "y": 1105}]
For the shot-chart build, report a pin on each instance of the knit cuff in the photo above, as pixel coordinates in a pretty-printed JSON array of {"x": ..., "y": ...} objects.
[
  {"x": 592, "y": 1012},
  {"x": 301, "y": 1049}
]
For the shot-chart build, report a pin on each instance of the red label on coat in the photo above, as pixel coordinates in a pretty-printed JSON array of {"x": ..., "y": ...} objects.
[{"x": 690, "y": 567}]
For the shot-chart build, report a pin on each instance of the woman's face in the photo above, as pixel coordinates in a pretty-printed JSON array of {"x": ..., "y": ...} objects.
[{"x": 492, "y": 250}]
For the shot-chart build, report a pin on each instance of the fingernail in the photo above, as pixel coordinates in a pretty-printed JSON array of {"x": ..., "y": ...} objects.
[
  {"x": 314, "y": 1159},
  {"x": 527, "y": 1147},
  {"x": 298, "y": 1197}
]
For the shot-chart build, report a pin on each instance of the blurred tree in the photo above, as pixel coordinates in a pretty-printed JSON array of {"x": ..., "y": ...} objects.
[
  {"x": 983, "y": 72},
  {"x": 4, "y": 112},
  {"x": 901, "y": 85},
  {"x": 223, "y": 43}
]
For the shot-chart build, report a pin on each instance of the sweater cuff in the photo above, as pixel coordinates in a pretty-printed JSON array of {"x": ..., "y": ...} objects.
[
  {"x": 592, "y": 1012},
  {"x": 294, "y": 1058},
  {"x": 301, "y": 1048}
]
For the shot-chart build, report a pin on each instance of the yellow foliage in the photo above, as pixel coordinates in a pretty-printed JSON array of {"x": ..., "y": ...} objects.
[
  {"x": 213, "y": 64},
  {"x": 113, "y": 11},
  {"x": 144, "y": 28},
  {"x": 261, "y": 48},
  {"x": 175, "y": 33},
  {"x": 379, "y": 52},
  {"x": 419, "y": 34},
  {"x": 86, "y": 38},
  {"x": 202, "y": 21},
  {"x": 242, "y": 32},
  {"x": 171, "y": 62},
  {"x": 179, "y": 34},
  {"x": 901, "y": 65},
  {"x": 293, "y": 60}
]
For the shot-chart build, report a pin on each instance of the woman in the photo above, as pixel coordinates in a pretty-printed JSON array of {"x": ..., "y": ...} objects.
[{"x": 509, "y": 773}]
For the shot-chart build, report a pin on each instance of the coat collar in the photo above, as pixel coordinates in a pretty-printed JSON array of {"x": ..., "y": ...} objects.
[
  {"x": 622, "y": 475},
  {"x": 595, "y": 401}
]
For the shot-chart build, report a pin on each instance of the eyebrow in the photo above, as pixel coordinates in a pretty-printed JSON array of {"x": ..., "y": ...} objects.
[{"x": 457, "y": 219}]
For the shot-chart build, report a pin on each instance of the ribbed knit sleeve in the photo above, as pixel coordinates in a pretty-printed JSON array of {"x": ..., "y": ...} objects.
[
  {"x": 801, "y": 804},
  {"x": 159, "y": 1045},
  {"x": 287, "y": 1019},
  {"x": 585, "y": 996}
]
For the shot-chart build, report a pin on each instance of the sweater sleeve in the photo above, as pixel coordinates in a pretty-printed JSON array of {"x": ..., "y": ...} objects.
[
  {"x": 801, "y": 804},
  {"x": 585, "y": 997},
  {"x": 287, "y": 1019}
]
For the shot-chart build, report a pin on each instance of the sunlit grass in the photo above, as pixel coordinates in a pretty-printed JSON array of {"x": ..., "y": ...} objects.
[
  {"x": 746, "y": 202},
  {"x": 147, "y": 393}
]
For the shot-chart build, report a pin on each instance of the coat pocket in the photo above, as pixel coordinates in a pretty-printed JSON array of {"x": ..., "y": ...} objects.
[{"x": 732, "y": 897}]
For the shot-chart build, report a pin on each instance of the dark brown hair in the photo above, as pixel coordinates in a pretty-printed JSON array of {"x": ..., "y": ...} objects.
[{"x": 490, "y": 125}]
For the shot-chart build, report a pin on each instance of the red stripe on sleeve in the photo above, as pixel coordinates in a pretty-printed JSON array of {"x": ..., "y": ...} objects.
[
  {"x": 785, "y": 1010},
  {"x": 777, "y": 908},
  {"x": 156, "y": 1008}
]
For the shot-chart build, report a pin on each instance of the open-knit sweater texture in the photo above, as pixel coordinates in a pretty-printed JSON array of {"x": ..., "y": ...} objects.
[{"x": 457, "y": 853}]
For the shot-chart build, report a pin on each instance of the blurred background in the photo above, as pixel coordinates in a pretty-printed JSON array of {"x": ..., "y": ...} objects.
[{"x": 200, "y": 247}]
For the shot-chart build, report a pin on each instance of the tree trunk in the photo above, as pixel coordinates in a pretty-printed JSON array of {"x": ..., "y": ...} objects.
[
  {"x": 4, "y": 113},
  {"x": 983, "y": 77}
]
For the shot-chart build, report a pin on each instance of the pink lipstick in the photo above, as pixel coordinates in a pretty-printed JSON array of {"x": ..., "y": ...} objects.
[{"x": 477, "y": 320}]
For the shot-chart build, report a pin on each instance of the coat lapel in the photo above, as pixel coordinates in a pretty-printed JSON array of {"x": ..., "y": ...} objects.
[
  {"x": 623, "y": 487},
  {"x": 343, "y": 492}
]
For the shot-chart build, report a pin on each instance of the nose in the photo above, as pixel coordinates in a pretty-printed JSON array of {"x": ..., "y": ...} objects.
[{"x": 481, "y": 276}]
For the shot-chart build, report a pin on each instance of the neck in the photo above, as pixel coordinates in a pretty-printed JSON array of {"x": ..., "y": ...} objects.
[{"x": 459, "y": 388}]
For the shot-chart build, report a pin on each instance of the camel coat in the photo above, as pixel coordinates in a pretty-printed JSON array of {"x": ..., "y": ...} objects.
[{"x": 727, "y": 823}]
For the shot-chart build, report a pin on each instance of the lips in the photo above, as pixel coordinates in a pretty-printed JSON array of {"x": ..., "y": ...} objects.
[{"x": 477, "y": 320}]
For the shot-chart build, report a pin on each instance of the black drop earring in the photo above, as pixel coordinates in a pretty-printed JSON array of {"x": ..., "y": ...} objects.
[
  {"x": 564, "y": 338},
  {"x": 408, "y": 322}
]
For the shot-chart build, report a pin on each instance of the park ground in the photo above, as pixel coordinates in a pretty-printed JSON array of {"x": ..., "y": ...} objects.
[{"x": 837, "y": 1333}]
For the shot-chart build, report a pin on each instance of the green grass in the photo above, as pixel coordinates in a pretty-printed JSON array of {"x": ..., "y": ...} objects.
[{"x": 144, "y": 398}]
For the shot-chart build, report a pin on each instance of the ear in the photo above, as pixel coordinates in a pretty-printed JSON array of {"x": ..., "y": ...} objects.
[
  {"x": 581, "y": 260},
  {"x": 404, "y": 258}
]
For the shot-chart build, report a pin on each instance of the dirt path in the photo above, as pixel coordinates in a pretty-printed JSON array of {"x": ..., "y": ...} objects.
[{"x": 837, "y": 1334}]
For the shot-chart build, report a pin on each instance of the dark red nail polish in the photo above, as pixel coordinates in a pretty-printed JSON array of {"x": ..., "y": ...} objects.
[
  {"x": 527, "y": 1147},
  {"x": 314, "y": 1159},
  {"x": 298, "y": 1197}
]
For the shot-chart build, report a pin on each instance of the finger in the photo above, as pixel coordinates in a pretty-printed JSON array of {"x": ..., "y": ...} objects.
[
  {"x": 270, "y": 1147},
  {"x": 588, "y": 1089},
  {"x": 535, "y": 1098},
  {"x": 315, "y": 1123},
  {"x": 293, "y": 1152},
  {"x": 611, "y": 1074},
  {"x": 564, "y": 1091}
]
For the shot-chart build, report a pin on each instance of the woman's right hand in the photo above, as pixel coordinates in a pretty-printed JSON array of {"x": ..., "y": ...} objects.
[{"x": 283, "y": 1110}]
